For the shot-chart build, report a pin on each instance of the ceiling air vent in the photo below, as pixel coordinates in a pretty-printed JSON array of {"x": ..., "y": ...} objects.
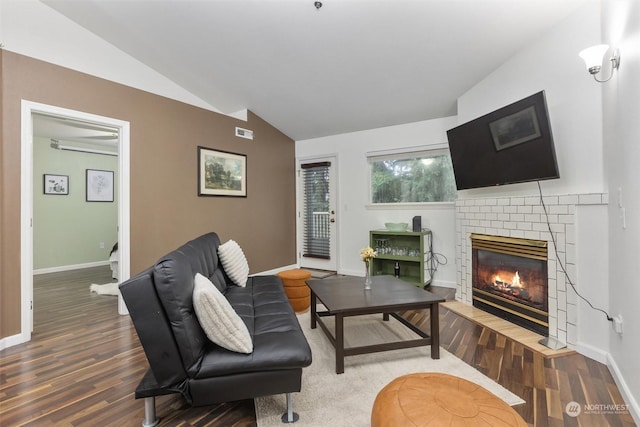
[{"x": 244, "y": 133}]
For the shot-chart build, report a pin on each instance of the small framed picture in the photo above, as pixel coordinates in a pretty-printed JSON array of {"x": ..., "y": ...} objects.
[
  {"x": 56, "y": 184},
  {"x": 99, "y": 186},
  {"x": 221, "y": 173},
  {"x": 514, "y": 129}
]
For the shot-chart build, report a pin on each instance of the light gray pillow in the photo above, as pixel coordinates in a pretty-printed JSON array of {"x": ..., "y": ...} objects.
[
  {"x": 234, "y": 262},
  {"x": 218, "y": 319}
]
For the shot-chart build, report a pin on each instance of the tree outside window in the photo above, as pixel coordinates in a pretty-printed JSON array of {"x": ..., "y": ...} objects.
[{"x": 423, "y": 177}]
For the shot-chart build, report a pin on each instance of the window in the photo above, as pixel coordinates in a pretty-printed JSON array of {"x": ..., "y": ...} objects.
[{"x": 415, "y": 177}]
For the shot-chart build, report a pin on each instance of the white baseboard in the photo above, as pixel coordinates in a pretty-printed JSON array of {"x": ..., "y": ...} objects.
[
  {"x": 633, "y": 407},
  {"x": 70, "y": 267},
  {"x": 275, "y": 270},
  {"x": 592, "y": 352},
  {"x": 12, "y": 340},
  {"x": 444, "y": 284},
  {"x": 357, "y": 273}
]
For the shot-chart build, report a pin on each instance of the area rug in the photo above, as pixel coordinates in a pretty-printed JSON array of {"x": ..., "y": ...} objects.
[
  {"x": 345, "y": 400},
  {"x": 106, "y": 289}
]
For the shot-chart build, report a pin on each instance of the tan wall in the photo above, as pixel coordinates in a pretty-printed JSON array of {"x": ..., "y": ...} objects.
[{"x": 165, "y": 208}]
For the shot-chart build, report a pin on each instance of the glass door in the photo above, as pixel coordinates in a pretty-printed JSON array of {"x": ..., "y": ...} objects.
[{"x": 317, "y": 215}]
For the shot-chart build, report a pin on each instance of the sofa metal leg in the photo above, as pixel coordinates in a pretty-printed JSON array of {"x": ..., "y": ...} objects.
[
  {"x": 150, "y": 418},
  {"x": 290, "y": 416}
]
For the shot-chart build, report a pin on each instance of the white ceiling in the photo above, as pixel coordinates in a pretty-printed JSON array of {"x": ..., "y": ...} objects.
[{"x": 349, "y": 66}]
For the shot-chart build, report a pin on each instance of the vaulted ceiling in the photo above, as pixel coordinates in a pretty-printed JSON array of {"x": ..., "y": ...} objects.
[{"x": 347, "y": 66}]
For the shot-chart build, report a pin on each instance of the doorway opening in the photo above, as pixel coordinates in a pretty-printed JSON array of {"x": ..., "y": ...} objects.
[{"x": 106, "y": 135}]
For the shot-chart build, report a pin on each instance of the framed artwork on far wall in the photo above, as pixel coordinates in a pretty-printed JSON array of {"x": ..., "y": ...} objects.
[
  {"x": 99, "y": 186},
  {"x": 56, "y": 184},
  {"x": 221, "y": 173}
]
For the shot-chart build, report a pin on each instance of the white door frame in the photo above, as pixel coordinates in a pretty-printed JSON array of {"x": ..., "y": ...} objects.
[
  {"x": 333, "y": 158},
  {"x": 28, "y": 108}
]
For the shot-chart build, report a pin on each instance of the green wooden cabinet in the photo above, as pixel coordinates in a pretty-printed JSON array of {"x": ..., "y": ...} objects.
[{"x": 412, "y": 250}]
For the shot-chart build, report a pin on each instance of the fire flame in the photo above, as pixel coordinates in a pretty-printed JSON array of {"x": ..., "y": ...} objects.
[{"x": 515, "y": 282}]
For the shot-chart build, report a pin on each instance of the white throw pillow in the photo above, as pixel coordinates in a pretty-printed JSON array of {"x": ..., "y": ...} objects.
[
  {"x": 218, "y": 319},
  {"x": 234, "y": 262}
]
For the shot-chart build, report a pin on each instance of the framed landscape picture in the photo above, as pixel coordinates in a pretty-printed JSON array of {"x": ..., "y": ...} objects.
[
  {"x": 56, "y": 184},
  {"x": 99, "y": 186},
  {"x": 221, "y": 173}
]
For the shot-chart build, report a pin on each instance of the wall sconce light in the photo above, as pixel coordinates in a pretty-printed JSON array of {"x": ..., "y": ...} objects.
[{"x": 592, "y": 57}]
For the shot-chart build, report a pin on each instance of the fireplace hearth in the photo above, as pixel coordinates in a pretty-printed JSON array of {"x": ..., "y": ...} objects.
[{"x": 509, "y": 279}]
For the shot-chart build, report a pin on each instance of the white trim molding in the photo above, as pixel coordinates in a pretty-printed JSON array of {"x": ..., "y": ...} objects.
[
  {"x": 627, "y": 395},
  {"x": 69, "y": 267},
  {"x": 28, "y": 108}
]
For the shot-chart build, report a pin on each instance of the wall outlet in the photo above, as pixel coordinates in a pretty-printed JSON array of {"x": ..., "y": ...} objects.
[
  {"x": 617, "y": 324},
  {"x": 101, "y": 245}
]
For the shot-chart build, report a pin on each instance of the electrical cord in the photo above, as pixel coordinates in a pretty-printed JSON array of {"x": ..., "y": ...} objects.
[
  {"x": 438, "y": 260},
  {"x": 555, "y": 247}
]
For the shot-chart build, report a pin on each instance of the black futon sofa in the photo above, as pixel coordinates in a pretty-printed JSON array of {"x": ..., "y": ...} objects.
[{"x": 181, "y": 357}]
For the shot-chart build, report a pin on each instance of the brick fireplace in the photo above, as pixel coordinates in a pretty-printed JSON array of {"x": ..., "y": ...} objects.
[{"x": 522, "y": 217}]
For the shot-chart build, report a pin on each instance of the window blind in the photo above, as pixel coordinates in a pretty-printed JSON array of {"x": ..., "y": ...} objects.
[{"x": 316, "y": 219}]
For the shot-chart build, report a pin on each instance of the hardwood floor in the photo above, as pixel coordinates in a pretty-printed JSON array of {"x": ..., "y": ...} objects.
[
  {"x": 84, "y": 362},
  {"x": 547, "y": 384}
]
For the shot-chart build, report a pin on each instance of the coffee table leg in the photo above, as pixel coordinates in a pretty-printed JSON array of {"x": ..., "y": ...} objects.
[
  {"x": 339, "y": 344},
  {"x": 313, "y": 310},
  {"x": 435, "y": 331}
]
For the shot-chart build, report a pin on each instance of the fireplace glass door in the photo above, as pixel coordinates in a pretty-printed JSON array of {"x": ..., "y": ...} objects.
[{"x": 511, "y": 281}]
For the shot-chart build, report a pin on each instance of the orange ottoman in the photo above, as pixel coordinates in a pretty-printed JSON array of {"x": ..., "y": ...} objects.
[
  {"x": 434, "y": 399},
  {"x": 295, "y": 287}
]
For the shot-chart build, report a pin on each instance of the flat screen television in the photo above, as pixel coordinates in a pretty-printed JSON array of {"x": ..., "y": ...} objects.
[{"x": 510, "y": 145}]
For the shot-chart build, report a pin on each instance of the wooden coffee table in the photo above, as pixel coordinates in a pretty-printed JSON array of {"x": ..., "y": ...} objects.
[{"x": 345, "y": 297}]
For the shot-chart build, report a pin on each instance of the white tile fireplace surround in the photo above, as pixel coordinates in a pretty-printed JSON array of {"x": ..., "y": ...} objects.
[{"x": 523, "y": 217}]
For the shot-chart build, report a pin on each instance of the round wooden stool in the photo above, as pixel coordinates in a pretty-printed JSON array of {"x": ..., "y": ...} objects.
[
  {"x": 440, "y": 399},
  {"x": 296, "y": 289}
]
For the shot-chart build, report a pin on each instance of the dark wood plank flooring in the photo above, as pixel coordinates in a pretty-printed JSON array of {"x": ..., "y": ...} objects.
[
  {"x": 546, "y": 384},
  {"x": 84, "y": 361}
]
